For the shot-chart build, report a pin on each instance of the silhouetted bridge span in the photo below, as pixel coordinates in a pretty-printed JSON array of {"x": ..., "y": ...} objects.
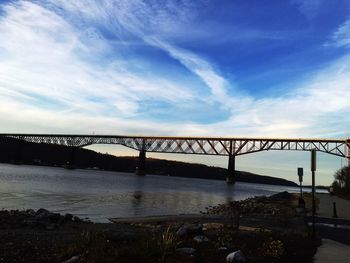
[{"x": 223, "y": 146}]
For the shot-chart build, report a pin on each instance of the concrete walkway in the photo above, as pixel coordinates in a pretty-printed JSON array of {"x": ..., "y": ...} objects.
[
  {"x": 326, "y": 206},
  {"x": 331, "y": 251}
]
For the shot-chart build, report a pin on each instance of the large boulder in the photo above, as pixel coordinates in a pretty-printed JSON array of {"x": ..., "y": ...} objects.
[
  {"x": 42, "y": 214},
  {"x": 236, "y": 257},
  {"x": 72, "y": 260},
  {"x": 201, "y": 239},
  {"x": 186, "y": 250},
  {"x": 190, "y": 229}
]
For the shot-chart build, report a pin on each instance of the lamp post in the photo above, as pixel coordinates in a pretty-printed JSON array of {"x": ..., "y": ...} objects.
[
  {"x": 313, "y": 169},
  {"x": 301, "y": 174}
]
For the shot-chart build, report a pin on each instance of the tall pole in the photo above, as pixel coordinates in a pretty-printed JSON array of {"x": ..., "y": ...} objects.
[
  {"x": 300, "y": 175},
  {"x": 230, "y": 177},
  {"x": 313, "y": 169},
  {"x": 347, "y": 151},
  {"x": 141, "y": 168}
]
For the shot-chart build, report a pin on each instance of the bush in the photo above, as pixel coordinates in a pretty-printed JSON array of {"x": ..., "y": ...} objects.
[
  {"x": 159, "y": 245},
  {"x": 342, "y": 180},
  {"x": 273, "y": 248}
]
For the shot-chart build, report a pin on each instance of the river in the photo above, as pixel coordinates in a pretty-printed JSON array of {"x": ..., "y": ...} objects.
[{"x": 99, "y": 195}]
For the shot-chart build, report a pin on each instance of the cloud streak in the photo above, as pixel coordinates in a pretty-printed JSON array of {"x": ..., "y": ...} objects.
[
  {"x": 60, "y": 66},
  {"x": 309, "y": 8},
  {"x": 45, "y": 57},
  {"x": 341, "y": 37}
]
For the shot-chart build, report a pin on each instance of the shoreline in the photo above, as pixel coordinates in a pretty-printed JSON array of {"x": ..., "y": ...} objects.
[
  {"x": 42, "y": 236},
  {"x": 261, "y": 222},
  {"x": 296, "y": 186}
]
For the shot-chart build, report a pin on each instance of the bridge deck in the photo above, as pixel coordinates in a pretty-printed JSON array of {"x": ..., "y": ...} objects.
[{"x": 226, "y": 146}]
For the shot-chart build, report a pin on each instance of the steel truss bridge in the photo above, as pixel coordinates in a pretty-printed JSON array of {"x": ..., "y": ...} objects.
[{"x": 231, "y": 147}]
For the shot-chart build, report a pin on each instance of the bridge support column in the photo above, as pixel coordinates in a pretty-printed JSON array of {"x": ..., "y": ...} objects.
[
  {"x": 18, "y": 152},
  {"x": 231, "y": 174},
  {"x": 141, "y": 167},
  {"x": 71, "y": 162}
]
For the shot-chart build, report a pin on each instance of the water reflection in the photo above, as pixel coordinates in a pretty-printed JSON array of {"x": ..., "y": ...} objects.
[
  {"x": 101, "y": 195},
  {"x": 230, "y": 193}
]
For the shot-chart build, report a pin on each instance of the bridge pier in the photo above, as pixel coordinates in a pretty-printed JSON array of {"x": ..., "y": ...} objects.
[
  {"x": 18, "y": 152},
  {"x": 141, "y": 167},
  {"x": 231, "y": 173},
  {"x": 71, "y": 163}
]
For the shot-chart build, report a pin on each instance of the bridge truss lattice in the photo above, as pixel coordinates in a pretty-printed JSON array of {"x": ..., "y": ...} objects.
[{"x": 194, "y": 145}]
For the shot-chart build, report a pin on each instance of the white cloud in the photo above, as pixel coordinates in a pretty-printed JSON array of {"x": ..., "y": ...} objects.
[
  {"x": 309, "y": 8},
  {"x": 46, "y": 58},
  {"x": 48, "y": 82},
  {"x": 217, "y": 84},
  {"x": 319, "y": 107},
  {"x": 341, "y": 37}
]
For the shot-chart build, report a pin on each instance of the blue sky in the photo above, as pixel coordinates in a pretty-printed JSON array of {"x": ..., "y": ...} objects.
[{"x": 200, "y": 68}]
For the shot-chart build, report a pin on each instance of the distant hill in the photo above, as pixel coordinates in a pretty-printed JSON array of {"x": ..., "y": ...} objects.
[{"x": 15, "y": 151}]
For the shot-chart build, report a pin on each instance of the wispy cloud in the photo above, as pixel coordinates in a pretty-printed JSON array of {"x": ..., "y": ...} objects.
[
  {"x": 64, "y": 66},
  {"x": 341, "y": 37},
  {"x": 45, "y": 57},
  {"x": 200, "y": 67},
  {"x": 309, "y": 8}
]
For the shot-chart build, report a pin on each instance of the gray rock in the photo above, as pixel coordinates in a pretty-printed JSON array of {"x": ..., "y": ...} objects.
[
  {"x": 77, "y": 219},
  {"x": 200, "y": 239},
  {"x": 182, "y": 231},
  {"x": 72, "y": 260},
  {"x": 236, "y": 257},
  {"x": 191, "y": 229},
  {"x": 30, "y": 212},
  {"x": 42, "y": 213},
  {"x": 68, "y": 217},
  {"x": 55, "y": 217},
  {"x": 186, "y": 250},
  {"x": 51, "y": 226}
]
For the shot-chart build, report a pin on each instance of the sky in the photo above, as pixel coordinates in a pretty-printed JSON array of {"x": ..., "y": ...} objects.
[{"x": 180, "y": 67}]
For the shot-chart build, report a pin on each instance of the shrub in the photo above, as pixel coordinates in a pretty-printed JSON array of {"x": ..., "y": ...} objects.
[{"x": 273, "y": 248}]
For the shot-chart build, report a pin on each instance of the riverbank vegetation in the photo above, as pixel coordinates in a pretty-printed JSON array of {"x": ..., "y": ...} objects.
[{"x": 341, "y": 184}]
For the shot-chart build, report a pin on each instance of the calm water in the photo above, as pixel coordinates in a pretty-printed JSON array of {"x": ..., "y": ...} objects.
[{"x": 100, "y": 195}]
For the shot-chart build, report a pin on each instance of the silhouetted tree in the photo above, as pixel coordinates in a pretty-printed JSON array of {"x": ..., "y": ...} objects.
[{"x": 342, "y": 180}]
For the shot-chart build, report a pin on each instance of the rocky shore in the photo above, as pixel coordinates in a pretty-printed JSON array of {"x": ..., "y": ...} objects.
[{"x": 260, "y": 229}]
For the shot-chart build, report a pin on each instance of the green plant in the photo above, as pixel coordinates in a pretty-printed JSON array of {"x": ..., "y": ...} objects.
[
  {"x": 92, "y": 246},
  {"x": 341, "y": 183},
  {"x": 225, "y": 239},
  {"x": 160, "y": 245},
  {"x": 167, "y": 242},
  {"x": 273, "y": 248}
]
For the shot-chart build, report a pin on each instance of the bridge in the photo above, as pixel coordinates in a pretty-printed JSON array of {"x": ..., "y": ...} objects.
[{"x": 231, "y": 147}]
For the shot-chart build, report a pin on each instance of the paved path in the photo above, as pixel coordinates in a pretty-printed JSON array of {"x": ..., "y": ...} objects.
[
  {"x": 333, "y": 229},
  {"x": 331, "y": 251},
  {"x": 326, "y": 206}
]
